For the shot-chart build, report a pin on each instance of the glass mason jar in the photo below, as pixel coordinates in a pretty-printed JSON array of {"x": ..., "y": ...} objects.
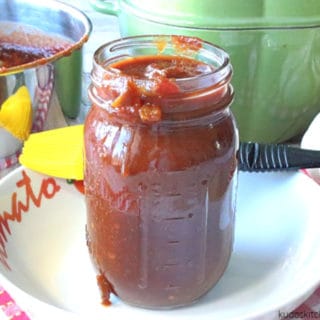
[{"x": 161, "y": 169}]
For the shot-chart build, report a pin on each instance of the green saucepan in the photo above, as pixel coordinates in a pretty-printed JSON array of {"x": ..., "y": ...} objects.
[{"x": 274, "y": 47}]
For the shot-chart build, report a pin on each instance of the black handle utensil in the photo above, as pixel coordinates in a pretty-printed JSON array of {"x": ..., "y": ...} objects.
[{"x": 255, "y": 157}]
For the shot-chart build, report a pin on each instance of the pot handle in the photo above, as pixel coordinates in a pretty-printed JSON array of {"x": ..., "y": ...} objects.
[{"x": 105, "y": 6}]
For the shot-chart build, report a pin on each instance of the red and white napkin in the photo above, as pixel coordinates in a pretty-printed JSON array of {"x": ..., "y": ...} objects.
[{"x": 9, "y": 308}]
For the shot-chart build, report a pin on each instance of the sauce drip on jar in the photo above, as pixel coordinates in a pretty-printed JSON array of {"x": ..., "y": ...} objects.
[{"x": 160, "y": 145}]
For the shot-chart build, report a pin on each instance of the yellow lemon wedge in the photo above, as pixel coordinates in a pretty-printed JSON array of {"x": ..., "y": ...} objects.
[
  {"x": 16, "y": 114},
  {"x": 56, "y": 152}
]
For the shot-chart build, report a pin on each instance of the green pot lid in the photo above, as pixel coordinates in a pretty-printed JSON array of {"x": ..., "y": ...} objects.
[{"x": 228, "y": 13}]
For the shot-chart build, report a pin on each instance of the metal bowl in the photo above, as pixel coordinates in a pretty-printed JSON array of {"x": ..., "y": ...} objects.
[{"x": 54, "y": 83}]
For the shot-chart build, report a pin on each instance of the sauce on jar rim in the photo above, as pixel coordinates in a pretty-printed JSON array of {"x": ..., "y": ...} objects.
[{"x": 159, "y": 181}]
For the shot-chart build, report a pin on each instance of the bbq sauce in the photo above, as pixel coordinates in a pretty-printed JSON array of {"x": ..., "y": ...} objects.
[{"x": 160, "y": 178}]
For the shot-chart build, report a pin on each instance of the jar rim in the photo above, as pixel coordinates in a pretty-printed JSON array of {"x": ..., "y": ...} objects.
[
  {"x": 197, "y": 95},
  {"x": 208, "y": 53}
]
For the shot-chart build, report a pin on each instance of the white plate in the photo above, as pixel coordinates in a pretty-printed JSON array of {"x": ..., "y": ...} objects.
[{"x": 274, "y": 267}]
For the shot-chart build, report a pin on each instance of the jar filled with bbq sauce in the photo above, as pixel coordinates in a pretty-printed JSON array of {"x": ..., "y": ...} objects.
[{"x": 160, "y": 169}]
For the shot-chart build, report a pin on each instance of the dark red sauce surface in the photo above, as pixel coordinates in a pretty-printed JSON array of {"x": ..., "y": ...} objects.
[
  {"x": 15, "y": 54},
  {"x": 21, "y": 44}
]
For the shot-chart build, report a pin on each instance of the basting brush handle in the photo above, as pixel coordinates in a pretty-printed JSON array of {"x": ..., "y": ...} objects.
[
  {"x": 255, "y": 157},
  {"x": 59, "y": 153}
]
